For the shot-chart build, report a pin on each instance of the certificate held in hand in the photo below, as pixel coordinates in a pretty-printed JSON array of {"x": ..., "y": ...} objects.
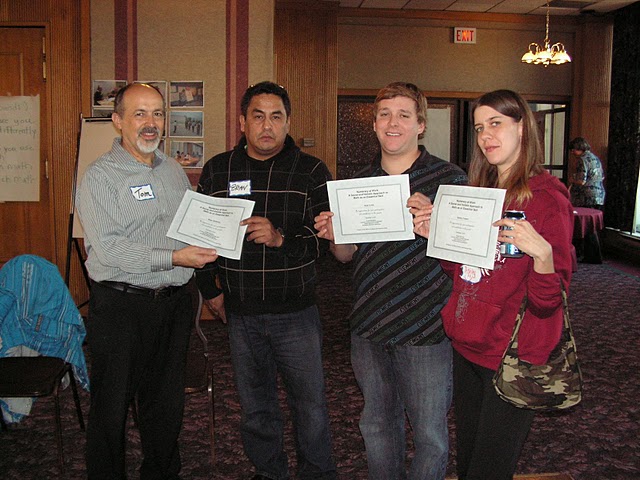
[
  {"x": 372, "y": 209},
  {"x": 212, "y": 222},
  {"x": 462, "y": 228}
]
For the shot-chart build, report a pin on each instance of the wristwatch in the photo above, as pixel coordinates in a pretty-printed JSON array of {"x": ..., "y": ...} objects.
[{"x": 281, "y": 232}]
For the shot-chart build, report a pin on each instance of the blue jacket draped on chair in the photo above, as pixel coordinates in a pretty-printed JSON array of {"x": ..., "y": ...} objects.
[{"x": 38, "y": 312}]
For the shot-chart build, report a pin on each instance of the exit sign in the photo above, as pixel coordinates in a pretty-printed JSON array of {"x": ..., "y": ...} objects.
[{"x": 464, "y": 35}]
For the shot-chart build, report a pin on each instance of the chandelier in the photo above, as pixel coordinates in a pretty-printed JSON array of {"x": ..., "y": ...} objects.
[{"x": 555, "y": 54}]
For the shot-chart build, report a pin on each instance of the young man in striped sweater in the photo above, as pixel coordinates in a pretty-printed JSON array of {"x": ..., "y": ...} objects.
[{"x": 399, "y": 351}]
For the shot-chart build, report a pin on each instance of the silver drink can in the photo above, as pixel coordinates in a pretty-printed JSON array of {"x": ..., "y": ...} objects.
[{"x": 507, "y": 249}]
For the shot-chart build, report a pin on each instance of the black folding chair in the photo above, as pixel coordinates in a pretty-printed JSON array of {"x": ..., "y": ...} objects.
[{"x": 38, "y": 377}]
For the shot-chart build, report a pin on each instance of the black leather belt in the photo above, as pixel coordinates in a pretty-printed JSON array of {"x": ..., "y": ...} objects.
[{"x": 163, "y": 292}]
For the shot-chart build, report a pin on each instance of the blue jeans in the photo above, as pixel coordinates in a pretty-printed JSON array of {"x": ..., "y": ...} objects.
[
  {"x": 289, "y": 344},
  {"x": 394, "y": 381}
]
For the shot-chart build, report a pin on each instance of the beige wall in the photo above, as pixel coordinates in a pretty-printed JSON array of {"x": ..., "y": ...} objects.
[
  {"x": 189, "y": 43},
  {"x": 261, "y": 58},
  {"x": 185, "y": 42},
  {"x": 102, "y": 40},
  {"x": 373, "y": 49},
  {"x": 373, "y": 52}
]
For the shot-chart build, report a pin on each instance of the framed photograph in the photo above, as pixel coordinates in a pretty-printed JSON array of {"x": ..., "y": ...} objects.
[
  {"x": 160, "y": 85},
  {"x": 186, "y": 94},
  {"x": 184, "y": 123},
  {"x": 189, "y": 154},
  {"x": 104, "y": 92},
  {"x": 102, "y": 112}
]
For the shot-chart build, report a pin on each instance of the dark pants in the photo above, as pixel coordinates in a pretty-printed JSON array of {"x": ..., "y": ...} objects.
[
  {"x": 490, "y": 433},
  {"x": 138, "y": 348}
]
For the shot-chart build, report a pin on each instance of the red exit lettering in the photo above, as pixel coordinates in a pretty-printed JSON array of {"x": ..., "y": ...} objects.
[{"x": 464, "y": 35}]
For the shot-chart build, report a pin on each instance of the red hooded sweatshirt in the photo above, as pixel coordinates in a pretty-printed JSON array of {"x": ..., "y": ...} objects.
[{"x": 482, "y": 309}]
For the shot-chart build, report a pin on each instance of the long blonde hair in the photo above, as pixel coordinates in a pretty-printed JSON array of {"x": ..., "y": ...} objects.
[{"x": 531, "y": 159}]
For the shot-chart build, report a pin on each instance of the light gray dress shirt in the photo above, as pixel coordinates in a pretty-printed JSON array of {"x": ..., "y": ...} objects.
[{"x": 126, "y": 208}]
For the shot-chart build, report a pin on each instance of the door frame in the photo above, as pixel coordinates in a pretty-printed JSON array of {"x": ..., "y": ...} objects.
[{"x": 47, "y": 147}]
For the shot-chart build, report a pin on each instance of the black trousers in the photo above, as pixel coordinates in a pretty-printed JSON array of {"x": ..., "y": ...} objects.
[
  {"x": 490, "y": 433},
  {"x": 138, "y": 348}
]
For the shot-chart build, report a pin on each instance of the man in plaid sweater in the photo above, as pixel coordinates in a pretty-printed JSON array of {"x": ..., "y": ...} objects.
[{"x": 268, "y": 295}]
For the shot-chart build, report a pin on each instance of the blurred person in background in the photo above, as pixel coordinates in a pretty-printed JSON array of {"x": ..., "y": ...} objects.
[{"x": 586, "y": 185}]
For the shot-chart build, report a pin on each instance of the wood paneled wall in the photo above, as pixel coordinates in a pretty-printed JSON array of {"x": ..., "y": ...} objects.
[
  {"x": 591, "y": 99},
  {"x": 62, "y": 21},
  {"x": 306, "y": 52}
]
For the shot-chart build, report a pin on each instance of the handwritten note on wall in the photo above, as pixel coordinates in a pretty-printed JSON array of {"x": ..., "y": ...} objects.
[{"x": 20, "y": 149}]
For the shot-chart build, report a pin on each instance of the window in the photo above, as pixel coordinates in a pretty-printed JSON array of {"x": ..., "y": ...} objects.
[{"x": 552, "y": 120}]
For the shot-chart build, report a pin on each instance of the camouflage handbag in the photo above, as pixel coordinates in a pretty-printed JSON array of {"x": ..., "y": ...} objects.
[{"x": 552, "y": 386}]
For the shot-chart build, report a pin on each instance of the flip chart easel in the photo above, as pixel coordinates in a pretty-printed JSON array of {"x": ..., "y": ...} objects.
[{"x": 94, "y": 138}]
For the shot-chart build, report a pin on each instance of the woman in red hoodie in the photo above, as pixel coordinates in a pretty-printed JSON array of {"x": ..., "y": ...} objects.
[{"x": 481, "y": 311}]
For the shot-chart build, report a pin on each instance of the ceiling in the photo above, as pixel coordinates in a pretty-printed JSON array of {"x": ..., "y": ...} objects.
[{"x": 522, "y": 7}]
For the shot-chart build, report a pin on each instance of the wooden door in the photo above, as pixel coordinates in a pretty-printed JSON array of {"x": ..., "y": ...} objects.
[{"x": 26, "y": 227}]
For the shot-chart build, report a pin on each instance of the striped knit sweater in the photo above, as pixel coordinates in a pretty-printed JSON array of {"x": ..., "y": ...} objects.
[{"x": 399, "y": 291}]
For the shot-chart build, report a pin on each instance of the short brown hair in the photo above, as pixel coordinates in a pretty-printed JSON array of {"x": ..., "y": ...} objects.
[{"x": 403, "y": 89}]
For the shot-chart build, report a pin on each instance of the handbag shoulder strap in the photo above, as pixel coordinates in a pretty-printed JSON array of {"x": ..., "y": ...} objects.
[
  {"x": 565, "y": 315},
  {"x": 523, "y": 308},
  {"x": 565, "y": 306},
  {"x": 519, "y": 318}
]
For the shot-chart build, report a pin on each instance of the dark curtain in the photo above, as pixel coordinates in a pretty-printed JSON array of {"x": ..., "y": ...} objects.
[
  {"x": 624, "y": 122},
  {"x": 357, "y": 142}
]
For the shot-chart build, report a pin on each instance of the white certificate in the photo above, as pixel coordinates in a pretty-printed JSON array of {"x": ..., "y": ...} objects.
[
  {"x": 372, "y": 209},
  {"x": 461, "y": 225},
  {"x": 212, "y": 222}
]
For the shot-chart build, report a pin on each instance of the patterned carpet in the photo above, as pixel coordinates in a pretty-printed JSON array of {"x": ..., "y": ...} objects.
[{"x": 596, "y": 440}]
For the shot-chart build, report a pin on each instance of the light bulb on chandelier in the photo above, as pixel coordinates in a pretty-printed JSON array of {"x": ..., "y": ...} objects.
[{"x": 548, "y": 54}]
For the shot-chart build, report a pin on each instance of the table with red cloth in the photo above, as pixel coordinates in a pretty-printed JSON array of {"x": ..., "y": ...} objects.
[{"x": 588, "y": 222}]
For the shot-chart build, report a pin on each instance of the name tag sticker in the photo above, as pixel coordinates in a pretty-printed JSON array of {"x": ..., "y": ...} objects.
[
  {"x": 242, "y": 187},
  {"x": 142, "y": 192}
]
